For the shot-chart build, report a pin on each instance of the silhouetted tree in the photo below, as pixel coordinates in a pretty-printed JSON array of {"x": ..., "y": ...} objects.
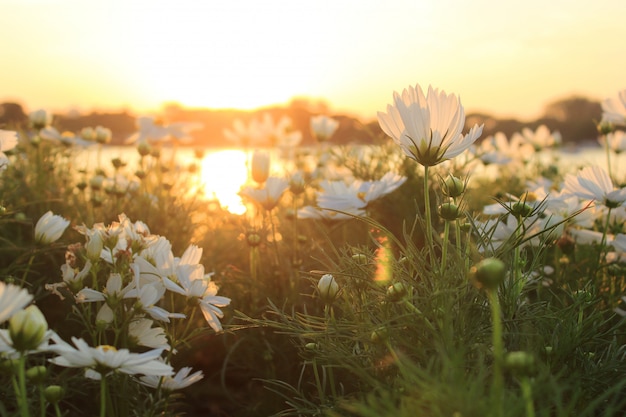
[{"x": 12, "y": 116}]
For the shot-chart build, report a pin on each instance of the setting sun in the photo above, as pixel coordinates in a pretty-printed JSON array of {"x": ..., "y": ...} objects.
[{"x": 223, "y": 174}]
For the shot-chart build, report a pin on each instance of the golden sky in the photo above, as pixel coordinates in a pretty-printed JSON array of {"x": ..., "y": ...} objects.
[{"x": 507, "y": 58}]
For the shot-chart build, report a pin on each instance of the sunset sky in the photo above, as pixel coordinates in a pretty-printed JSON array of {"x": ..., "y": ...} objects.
[{"x": 506, "y": 58}]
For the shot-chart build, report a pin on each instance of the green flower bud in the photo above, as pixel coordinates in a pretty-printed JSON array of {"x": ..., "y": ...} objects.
[
  {"x": 144, "y": 148},
  {"x": 37, "y": 374},
  {"x": 449, "y": 211},
  {"x": 9, "y": 366},
  {"x": 118, "y": 163},
  {"x": 396, "y": 292},
  {"x": 521, "y": 209},
  {"x": 27, "y": 328},
  {"x": 520, "y": 363},
  {"x": 605, "y": 128},
  {"x": 253, "y": 238},
  {"x": 360, "y": 258},
  {"x": 53, "y": 393},
  {"x": 380, "y": 335},
  {"x": 489, "y": 273},
  {"x": 453, "y": 186}
]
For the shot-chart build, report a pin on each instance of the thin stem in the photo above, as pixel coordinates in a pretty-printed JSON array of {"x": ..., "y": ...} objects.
[
  {"x": 428, "y": 226},
  {"x": 22, "y": 399},
  {"x": 320, "y": 389},
  {"x": 528, "y": 397},
  {"x": 103, "y": 394},
  {"x": 444, "y": 247},
  {"x": 497, "y": 389}
]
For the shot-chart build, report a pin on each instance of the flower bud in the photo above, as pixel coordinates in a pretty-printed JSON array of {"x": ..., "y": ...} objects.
[
  {"x": 605, "y": 128},
  {"x": 9, "y": 366},
  {"x": 50, "y": 227},
  {"x": 88, "y": 134},
  {"x": 27, "y": 328},
  {"x": 53, "y": 393},
  {"x": 39, "y": 119},
  {"x": 253, "y": 238},
  {"x": 396, "y": 292},
  {"x": 37, "y": 374},
  {"x": 328, "y": 288},
  {"x": 380, "y": 335},
  {"x": 144, "y": 148},
  {"x": 453, "y": 186},
  {"x": 520, "y": 363},
  {"x": 103, "y": 135},
  {"x": 260, "y": 166},
  {"x": 521, "y": 209},
  {"x": 449, "y": 211},
  {"x": 297, "y": 184},
  {"x": 489, "y": 273},
  {"x": 360, "y": 258},
  {"x": 94, "y": 246},
  {"x": 96, "y": 182}
]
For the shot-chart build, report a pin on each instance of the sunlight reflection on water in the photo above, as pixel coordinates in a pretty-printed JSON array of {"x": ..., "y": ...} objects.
[{"x": 222, "y": 172}]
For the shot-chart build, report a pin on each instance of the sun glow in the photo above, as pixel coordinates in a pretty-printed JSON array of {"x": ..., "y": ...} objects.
[{"x": 223, "y": 174}]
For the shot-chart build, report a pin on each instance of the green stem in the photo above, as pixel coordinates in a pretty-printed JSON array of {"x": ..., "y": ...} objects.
[
  {"x": 428, "y": 226},
  {"x": 103, "y": 395},
  {"x": 444, "y": 247},
  {"x": 22, "y": 399},
  {"x": 528, "y": 397},
  {"x": 320, "y": 389},
  {"x": 518, "y": 283},
  {"x": 497, "y": 389}
]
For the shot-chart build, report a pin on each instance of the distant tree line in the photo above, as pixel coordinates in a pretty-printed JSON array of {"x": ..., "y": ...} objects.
[{"x": 574, "y": 117}]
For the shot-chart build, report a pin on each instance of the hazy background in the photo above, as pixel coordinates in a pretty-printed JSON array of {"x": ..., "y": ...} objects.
[{"x": 505, "y": 58}]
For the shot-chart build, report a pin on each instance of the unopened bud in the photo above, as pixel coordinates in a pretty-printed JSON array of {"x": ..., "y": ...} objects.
[
  {"x": 37, "y": 374},
  {"x": 53, "y": 393},
  {"x": 449, "y": 211},
  {"x": 453, "y": 186},
  {"x": 489, "y": 273},
  {"x": 27, "y": 328},
  {"x": 396, "y": 292},
  {"x": 520, "y": 363},
  {"x": 328, "y": 288}
]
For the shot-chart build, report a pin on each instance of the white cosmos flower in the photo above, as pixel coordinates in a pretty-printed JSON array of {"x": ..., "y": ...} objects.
[
  {"x": 7, "y": 350},
  {"x": 142, "y": 332},
  {"x": 147, "y": 298},
  {"x": 12, "y": 300},
  {"x": 614, "y": 109},
  {"x": 323, "y": 127},
  {"x": 540, "y": 138},
  {"x": 107, "y": 359},
  {"x": 8, "y": 141},
  {"x": 180, "y": 380},
  {"x": 616, "y": 141},
  {"x": 151, "y": 130},
  {"x": 428, "y": 127},
  {"x": 210, "y": 303},
  {"x": 50, "y": 227},
  {"x": 593, "y": 183},
  {"x": 269, "y": 195},
  {"x": 350, "y": 197}
]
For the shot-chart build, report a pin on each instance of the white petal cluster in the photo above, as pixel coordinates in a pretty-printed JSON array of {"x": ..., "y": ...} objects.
[
  {"x": 428, "y": 126},
  {"x": 342, "y": 200}
]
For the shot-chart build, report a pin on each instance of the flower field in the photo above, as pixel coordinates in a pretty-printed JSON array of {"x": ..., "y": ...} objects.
[{"x": 361, "y": 281}]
